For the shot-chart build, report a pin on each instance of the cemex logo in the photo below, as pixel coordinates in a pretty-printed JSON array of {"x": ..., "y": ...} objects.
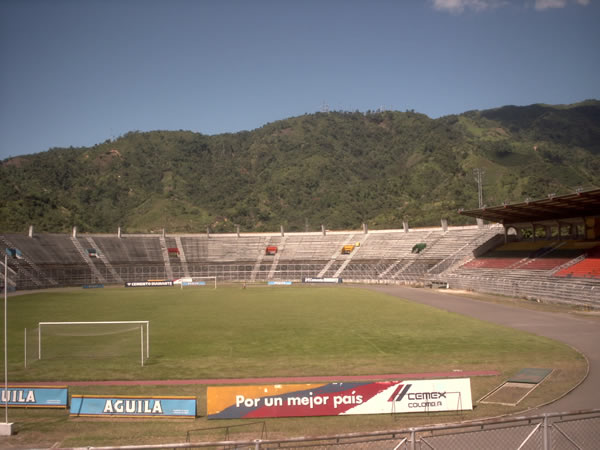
[{"x": 402, "y": 390}]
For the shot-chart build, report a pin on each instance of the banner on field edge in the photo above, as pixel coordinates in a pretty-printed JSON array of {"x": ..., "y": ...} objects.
[
  {"x": 321, "y": 280},
  {"x": 333, "y": 399},
  {"x": 279, "y": 283},
  {"x": 194, "y": 283},
  {"x": 148, "y": 283},
  {"x": 35, "y": 396},
  {"x": 132, "y": 406}
]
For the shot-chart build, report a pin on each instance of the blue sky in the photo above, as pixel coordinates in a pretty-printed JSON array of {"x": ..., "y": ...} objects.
[{"x": 79, "y": 72}]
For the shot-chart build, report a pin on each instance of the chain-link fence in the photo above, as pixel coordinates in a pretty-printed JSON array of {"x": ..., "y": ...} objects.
[{"x": 557, "y": 431}]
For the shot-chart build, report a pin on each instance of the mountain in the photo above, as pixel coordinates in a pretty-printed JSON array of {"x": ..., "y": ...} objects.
[{"x": 339, "y": 169}]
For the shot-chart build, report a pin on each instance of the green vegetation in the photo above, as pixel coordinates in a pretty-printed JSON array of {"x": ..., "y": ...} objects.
[
  {"x": 267, "y": 331},
  {"x": 339, "y": 169}
]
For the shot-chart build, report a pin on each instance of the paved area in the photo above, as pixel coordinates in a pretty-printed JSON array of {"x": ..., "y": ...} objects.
[{"x": 577, "y": 331}]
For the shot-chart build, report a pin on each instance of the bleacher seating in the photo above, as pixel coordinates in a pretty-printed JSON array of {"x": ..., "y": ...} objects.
[
  {"x": 589, "y": 267},
  {"x": 529, "y": 255},
  {"x": 550, "y": 269}
]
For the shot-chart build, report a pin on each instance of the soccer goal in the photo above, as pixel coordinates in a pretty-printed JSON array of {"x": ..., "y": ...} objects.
[
  {"x": 92, "y": 339},
  {"x": 197, "y": 281}
]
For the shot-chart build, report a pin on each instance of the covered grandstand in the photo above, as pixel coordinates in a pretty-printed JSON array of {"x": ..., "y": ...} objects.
[
  {"x": 546, "y": 250},
  {"x": 551, "y": 250}
]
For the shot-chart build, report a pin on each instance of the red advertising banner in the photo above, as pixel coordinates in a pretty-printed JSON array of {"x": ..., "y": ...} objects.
[{"x": 332, "y": 399}]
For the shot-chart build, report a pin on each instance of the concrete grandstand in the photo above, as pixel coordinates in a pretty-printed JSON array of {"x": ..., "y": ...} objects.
[{"x": 546, "y": 250}]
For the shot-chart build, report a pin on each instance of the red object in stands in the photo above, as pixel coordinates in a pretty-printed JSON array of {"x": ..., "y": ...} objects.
[
  {"x": 543, "y": 263},
  {"x": 588, "y": 268}
]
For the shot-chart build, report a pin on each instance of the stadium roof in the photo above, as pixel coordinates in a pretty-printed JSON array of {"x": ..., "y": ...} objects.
[{"x": 553, "y": 208}]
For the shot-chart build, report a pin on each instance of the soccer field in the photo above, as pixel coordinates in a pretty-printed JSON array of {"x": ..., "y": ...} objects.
[
  {"x": 231, "y": 332},
  {"x": 260, "y": 331}
]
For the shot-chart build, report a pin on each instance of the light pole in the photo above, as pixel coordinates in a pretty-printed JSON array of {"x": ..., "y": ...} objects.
[
  {"x": 5, "y": 343},
  {"x": 5, "y": 428},
  {"x": 479, "y": 178}
]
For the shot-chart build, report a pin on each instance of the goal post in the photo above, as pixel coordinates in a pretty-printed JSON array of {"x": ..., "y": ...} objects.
[{"x": 98, "y": 328}]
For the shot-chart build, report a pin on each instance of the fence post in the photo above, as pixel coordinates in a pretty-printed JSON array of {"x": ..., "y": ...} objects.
[
  {"x": 545, "y": 428},
  {"x": 413, "y": 444}
]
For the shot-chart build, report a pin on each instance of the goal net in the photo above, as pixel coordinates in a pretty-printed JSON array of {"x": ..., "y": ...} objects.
[
  {"x": 197, "y": 281},
  {"x": 91, "y": 340}
]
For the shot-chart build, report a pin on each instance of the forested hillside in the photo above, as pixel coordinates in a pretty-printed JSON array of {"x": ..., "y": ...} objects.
[{"x": 339, "y": 169}]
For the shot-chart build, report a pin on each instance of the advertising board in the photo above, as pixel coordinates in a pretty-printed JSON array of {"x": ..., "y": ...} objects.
[
  {"x": 148, "y": 283},
  {"x": 333, "y": 399},
  {"x": 35, "y": 396},
  {"x": 321, "y": 280},
  {"x": 132, "y": 406}
]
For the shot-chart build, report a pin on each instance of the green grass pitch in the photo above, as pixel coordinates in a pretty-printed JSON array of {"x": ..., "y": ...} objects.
[
  {"x": 231, "y": 332},
  {"x": 256, "y": 332}
]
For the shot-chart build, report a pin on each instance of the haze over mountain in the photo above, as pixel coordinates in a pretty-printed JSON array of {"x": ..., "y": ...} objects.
[{"x": 339, "y": 169}]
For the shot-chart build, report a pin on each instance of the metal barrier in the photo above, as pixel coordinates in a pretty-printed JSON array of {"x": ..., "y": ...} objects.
[
  {"x": 226, "y": 429},
  {"x": 565, "y": 431}
]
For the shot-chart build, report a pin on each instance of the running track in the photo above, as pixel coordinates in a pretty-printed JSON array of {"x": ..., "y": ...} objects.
[{"x": 579, "y": 332}]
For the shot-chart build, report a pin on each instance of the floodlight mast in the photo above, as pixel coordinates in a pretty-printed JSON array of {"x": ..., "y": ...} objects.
[
  {"x": 479, "y": 178},
  {"x": 5, "y": 343}
]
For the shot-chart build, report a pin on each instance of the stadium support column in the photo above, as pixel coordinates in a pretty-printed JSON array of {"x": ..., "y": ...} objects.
[
  {"x": 119, "y": 232},
  {"x": 30, "y": 231},
  {"x": 282, "y": 232},
  {"x": 365, "y": 228},
  {"x": 75, "y": 232},
  {"x": 237, "y": 229},
  {"x": 207, "y": 232},
  {"x": 444, "y": 225},
  {"x": 323, "y": 230},
  {"x": 405, "y": 226}
]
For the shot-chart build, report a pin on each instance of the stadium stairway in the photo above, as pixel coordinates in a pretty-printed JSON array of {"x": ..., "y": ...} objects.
[
  {"x": 96, "y": 275},
  {"x": 337, "y": 254},
  {"x": 182, "y": 256},
  {"x": 115, "y": 277},
  {"x": 261, "y": 255},
  {"x": 355, "y": 252},
  {"x": 165, "y": 255}
]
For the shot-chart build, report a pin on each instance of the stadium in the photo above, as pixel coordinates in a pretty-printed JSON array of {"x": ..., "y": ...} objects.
[{"x": 184, "y": 315}]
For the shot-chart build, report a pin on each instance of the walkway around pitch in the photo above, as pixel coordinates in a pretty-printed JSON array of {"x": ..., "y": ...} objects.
[{"x": 279, "y": 380}]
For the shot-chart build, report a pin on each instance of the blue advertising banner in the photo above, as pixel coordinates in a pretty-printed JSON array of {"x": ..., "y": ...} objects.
[
  {"x": 193, "y": 283},
  {"x": 35, "y": 396},
  {"x": 132, "y": 406},
  {"x": 279, "y": 283}
]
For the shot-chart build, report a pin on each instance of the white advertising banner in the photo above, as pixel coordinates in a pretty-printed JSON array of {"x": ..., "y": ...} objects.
[
  {"x": 335, "y": 399},
  {"x": 420, "y": 396}
]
